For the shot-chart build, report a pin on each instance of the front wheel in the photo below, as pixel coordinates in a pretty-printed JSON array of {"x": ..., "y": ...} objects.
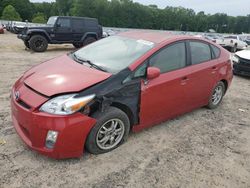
[
  {"x": 111, "y": 130},
  {"x": 217, "y": 95},
  {"x": 38, "y": 43}
]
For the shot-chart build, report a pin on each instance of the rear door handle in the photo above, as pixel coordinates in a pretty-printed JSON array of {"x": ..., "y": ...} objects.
[
  {"x": 184, "y": 80},
  {"x": 214, "y": 68}
]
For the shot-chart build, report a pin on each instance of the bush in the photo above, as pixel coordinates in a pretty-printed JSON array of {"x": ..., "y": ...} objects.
[{"x": 39, "y": 18}]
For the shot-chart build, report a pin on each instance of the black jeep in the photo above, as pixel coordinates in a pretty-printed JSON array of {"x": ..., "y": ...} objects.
[{"x": 78, "y": 31}]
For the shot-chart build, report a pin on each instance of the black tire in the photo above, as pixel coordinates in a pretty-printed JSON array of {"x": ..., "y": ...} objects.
[
  {"x": 234, "y": 48},
  {"x": 89, "y": 40},
  {"x": 102, "y": 118},
  {"x": 38, "y": 43},
  {"x": 77, "y": 44},
  {"x": 26, "y": 43},
  {"x": 212, "y": 103}
]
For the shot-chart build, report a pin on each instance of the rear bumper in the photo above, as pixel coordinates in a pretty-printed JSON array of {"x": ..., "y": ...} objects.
[{"x": 32, "y": 127}]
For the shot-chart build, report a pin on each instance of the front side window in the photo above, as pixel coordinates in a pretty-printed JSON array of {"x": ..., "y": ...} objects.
[
  {"x": 170, "y": 58},
  {"x": 200, "y": 52},
  {"x": 64, "y": 22}
]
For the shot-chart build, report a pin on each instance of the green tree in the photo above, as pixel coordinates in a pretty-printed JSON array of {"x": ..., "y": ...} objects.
[
  {"x": 39, "y": 18},
  {"x": 10, "y": 13},
  {"x": 24, "y": 7}
]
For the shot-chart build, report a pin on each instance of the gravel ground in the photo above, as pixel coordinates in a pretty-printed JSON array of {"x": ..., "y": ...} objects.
[{"x": 203, "y": 148}]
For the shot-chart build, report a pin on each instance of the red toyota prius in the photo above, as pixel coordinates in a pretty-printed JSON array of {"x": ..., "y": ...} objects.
[{"x": 92, "y": 98}]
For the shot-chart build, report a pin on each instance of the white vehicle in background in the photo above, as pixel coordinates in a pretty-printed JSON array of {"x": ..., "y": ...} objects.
[{"x": 234, "y": 43}]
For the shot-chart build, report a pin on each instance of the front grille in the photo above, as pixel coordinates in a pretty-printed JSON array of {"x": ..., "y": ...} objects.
[
  {"x": 23, "y": 104},
  {"x": 244, "y": 62}
]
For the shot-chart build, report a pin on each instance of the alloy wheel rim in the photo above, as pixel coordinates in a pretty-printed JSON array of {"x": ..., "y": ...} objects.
[
  {"x": 217, "y": 95},
  {"x": 110, "y": 134}
]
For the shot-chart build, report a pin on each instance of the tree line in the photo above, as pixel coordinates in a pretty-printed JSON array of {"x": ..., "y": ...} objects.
[{"x": 126, "y": 13}]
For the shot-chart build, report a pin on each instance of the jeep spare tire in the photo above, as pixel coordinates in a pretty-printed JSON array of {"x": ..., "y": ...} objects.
[{"x": 38, "y": 43}]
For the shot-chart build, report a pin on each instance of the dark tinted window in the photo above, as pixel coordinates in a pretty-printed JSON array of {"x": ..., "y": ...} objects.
[
  {"x": 216, "y": 51},
  {"x": 64, "y": 22},
  {"x": 77, "y": 23},
  {"x": 200, "y": 52},
  {"x": 171, "y": 58},
  {"x": 90, "y": 23}
]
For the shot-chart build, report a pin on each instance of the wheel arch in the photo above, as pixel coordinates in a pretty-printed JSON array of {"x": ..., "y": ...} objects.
[
  {"x": 225, "y": 83},
  {"x": 126, "y": 110},
  {"x": 89, "y": 34},
  {"x": 40, "y": 33}
]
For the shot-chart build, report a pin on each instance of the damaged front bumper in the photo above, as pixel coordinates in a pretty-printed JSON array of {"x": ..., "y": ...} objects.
[{"x": 33, "y": 126}]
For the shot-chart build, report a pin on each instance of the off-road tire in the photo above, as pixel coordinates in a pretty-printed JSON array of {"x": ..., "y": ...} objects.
[
  {"x": 89, "y": 40},
  {"x": 77, "y": 44},
  {"x": 38, "y": 43}
]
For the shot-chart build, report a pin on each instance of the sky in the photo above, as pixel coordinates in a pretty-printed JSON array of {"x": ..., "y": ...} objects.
[{"x": 230, "y": 7}]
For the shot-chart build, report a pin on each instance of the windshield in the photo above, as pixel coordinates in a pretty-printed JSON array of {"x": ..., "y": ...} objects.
[
  {"x": 114, "y": 53},
  {"x": 52, "y": 20},
  {"x": 231, "y": 37}
]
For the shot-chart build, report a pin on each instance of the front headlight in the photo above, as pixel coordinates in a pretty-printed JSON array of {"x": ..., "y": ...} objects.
[
  {"x": 235, "y": 59},
  {"x": 66, "y": 104}
]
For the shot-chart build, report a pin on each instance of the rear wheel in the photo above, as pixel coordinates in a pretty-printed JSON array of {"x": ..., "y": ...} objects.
[
  {"x": 111, "y": 130},
  {"x": 234, "y": 48},
  {"x": 89, "y": 40},
  {"x": 38, "y": 43},
  {"x": 78, "y": 44},
  {"x": 217, "y": 95}
]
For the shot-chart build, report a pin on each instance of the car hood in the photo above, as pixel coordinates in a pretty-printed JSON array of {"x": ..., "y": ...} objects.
[
  {"x": 62, "y": 75},
  {"x": 245, "y": 54}
]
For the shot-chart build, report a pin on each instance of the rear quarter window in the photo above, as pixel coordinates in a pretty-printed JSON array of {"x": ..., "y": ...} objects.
[{"x": 77, "y": 23}]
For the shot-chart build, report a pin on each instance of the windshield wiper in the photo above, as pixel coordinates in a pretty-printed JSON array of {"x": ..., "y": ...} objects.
[{"x": 92, "y": 65}]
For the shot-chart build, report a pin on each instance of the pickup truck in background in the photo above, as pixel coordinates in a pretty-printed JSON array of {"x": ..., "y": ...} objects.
[{"x": 234, "y": 43}]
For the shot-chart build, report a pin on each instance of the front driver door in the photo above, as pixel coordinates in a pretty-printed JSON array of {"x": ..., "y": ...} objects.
[
  {"x": 63, "y": 31},
  {"x": 162, "y": 97}
]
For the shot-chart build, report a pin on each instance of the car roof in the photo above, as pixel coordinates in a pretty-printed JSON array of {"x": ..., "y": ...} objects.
[{"x": 153, "y": 36}]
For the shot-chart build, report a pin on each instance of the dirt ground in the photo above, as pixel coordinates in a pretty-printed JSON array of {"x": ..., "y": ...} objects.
[{"x": 203, "y": 148}]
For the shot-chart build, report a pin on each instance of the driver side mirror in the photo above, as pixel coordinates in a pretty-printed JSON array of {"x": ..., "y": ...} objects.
[{"x": 153, "y": 72}]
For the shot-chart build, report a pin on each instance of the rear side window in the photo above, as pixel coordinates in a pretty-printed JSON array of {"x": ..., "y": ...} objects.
[
  {"x": 64, "y": 22},
  {"x": 77, "y": 23},
  {"x": 170, "y": 58},
  {"x": 91, "y": 23},
  {"x": 216, "y": 52},
  {"x": 200, "y": 52}
]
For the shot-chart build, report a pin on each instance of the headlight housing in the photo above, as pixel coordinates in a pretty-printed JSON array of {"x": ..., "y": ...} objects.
[
  {"x": 66, "y": 104},
  {"x": 235, "y": 59}
]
